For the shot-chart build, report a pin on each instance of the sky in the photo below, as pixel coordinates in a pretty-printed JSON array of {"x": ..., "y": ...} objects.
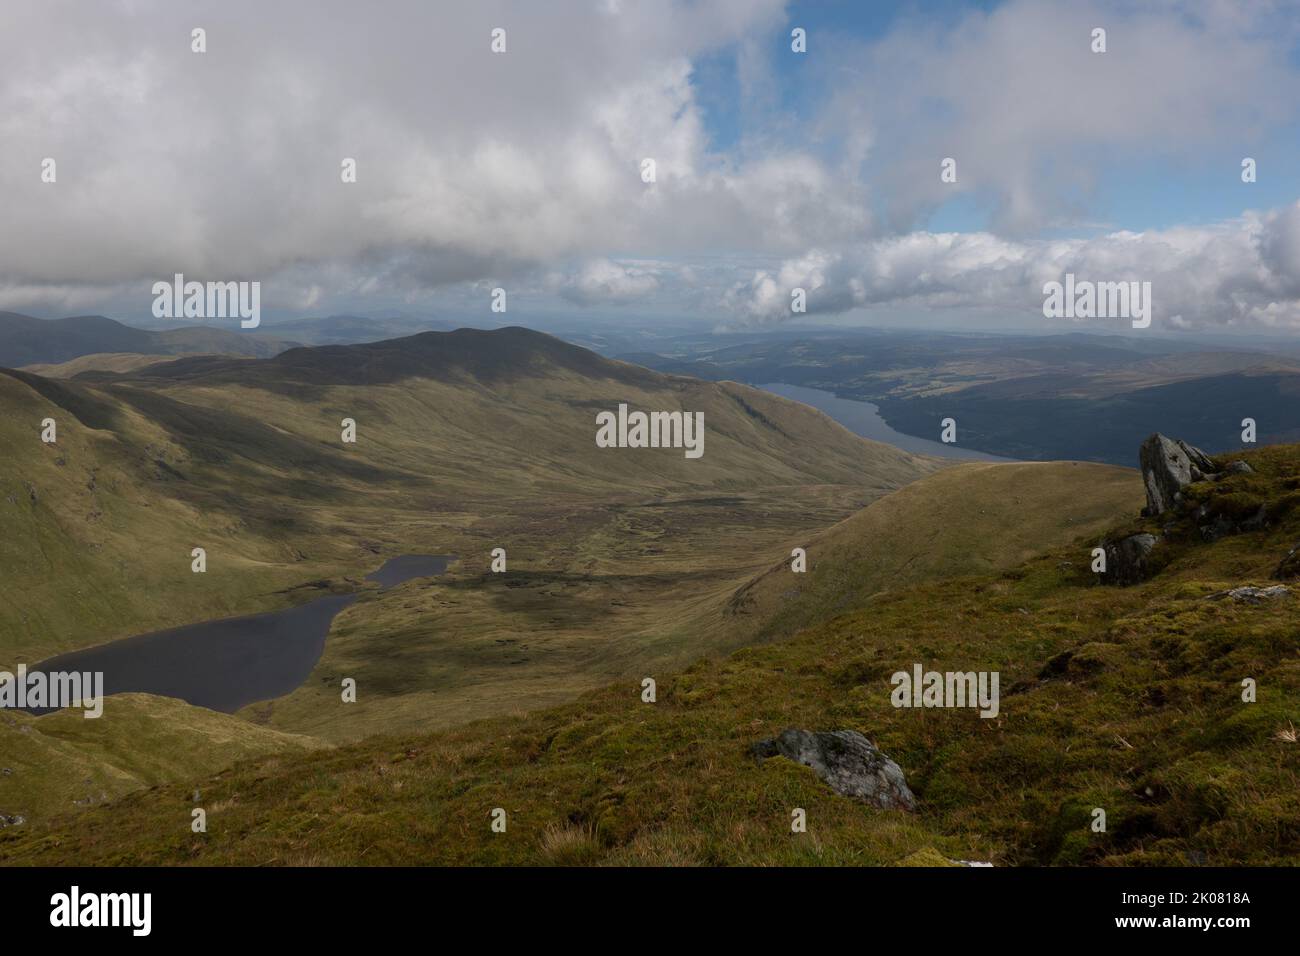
[{"x": 774, "y": 169}]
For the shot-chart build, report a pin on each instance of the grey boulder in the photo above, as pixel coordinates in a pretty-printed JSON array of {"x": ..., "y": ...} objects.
[
  {"x": 847, "y": 762},
  {"x": 1168, "y": 466}
]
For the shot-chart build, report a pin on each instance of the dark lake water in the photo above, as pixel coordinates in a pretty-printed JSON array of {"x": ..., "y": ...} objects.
[
  {"x": 863, "y": 418},
  {"x": 230, "y": 663}
]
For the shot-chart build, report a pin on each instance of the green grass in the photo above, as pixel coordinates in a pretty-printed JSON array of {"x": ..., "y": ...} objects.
[
  {"x": 662, "y": 584},
  {"x": 244, "y": 458},
  {"x": 1128, "y": 699},
  {"x": 968, "y": 518},
  {"x": 54, "y": 764},
  {"x": 616, "y": 557}
]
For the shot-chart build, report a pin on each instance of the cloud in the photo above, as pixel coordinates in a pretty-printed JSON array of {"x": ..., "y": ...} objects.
[
  {"x": 470, "y": 165},
  {"x": 478, "y": 169},
  {"x": 1245, "y": 272},
  {"x": 602, "y": 282},
  {"x": 1034, "y": 118}
]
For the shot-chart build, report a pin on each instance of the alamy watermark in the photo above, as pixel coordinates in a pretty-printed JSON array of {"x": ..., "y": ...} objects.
[
  {"x": 922, "y": 688},
  {"x": 75, "y": 908},
  {"x": 1084, "y": 299},
  {"x": 53, "y": 690},
  {"x": 179, "y": 299},
  {"x": 651, "y": 430}
]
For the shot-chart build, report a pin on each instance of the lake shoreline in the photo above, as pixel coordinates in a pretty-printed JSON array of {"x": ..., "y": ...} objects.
[
  {"x": 864, "y": 419},
  {"x": 227, "y": 663}
]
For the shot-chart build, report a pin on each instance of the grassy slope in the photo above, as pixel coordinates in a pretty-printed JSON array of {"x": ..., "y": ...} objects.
[
  {"x": 591, "y": 596},
  {"x": 615, "y": 557},
  {"x": 96, "y": 530},
  {"x": 148, "y": 467},
  {"x": 98, "y": 362},
  {"x": 61, "y": 761},
  {"x": 1142, "y": 717},
  {"x": 969, "y": 518},
  {"x": 243, "y": 458},
  {"x": 25, "y": 340}
]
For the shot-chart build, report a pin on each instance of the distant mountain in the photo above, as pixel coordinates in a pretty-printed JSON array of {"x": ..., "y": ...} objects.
[
  {"x": 454, "y": 429},
  {"x": 487, "y": 356},
  {"x": 96, "y": 362},
  {"x": 1079, "y": 396},
  {"x": 1042, "y": 418},
  {"x": 352, "y": 329},
  {"x": 25, "y": 340}
]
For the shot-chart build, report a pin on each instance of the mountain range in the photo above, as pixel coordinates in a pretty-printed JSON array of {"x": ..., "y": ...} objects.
[
  {"x": 1081, "y": 396},
  {"x": 523, "y": 687},
  {"x": 25, "y": 340}
]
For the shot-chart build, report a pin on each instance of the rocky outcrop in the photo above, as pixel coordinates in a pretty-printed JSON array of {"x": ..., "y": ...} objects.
[
  {"x": 1168, "y": 466},
  {"x": 1212, "y": 527},
  {"x": 1290, "y": 566},
  {"x": 848, "y": 762},
  {"x": 1252, "y": 595},
  {"x": 1126, "y": 559}
]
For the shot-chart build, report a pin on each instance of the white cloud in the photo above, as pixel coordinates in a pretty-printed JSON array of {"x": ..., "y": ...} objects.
[
  {"x": 1245, "y": 272},
  {"x": 1032, "y": 115},
  {"x": 477, "y": 169},
  {"x": 602, "y": 282},
  {"x": 471, "y": 165}
]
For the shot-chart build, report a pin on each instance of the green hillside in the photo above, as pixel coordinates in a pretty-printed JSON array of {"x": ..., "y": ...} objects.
[
  {"x": 55, "y": 764},
  {"x": 97, "y": 362},
  {"x": 466, "y": 441},
  {"x": 96, "y": 530},
  {"x": 25, "y": 340},
  {"x": 971, "y": 517},
  {"x": 1125, "y": 699}
]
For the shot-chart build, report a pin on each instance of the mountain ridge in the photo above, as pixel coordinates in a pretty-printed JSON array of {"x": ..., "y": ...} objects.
[
  {"x": 488, "y": 355},
  {"x": 26, "y": 340},
  {"x": 466, "y": 441}
]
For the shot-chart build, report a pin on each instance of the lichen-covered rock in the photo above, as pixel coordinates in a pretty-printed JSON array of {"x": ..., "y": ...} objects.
[
  {"x": 1251, "y": 594},
  {"x": 1126, "y": 559},
  {"x": 929, "y": 856},
  {"x": 847, "y": 761},
  {"x": 1168, "y": 466}
]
